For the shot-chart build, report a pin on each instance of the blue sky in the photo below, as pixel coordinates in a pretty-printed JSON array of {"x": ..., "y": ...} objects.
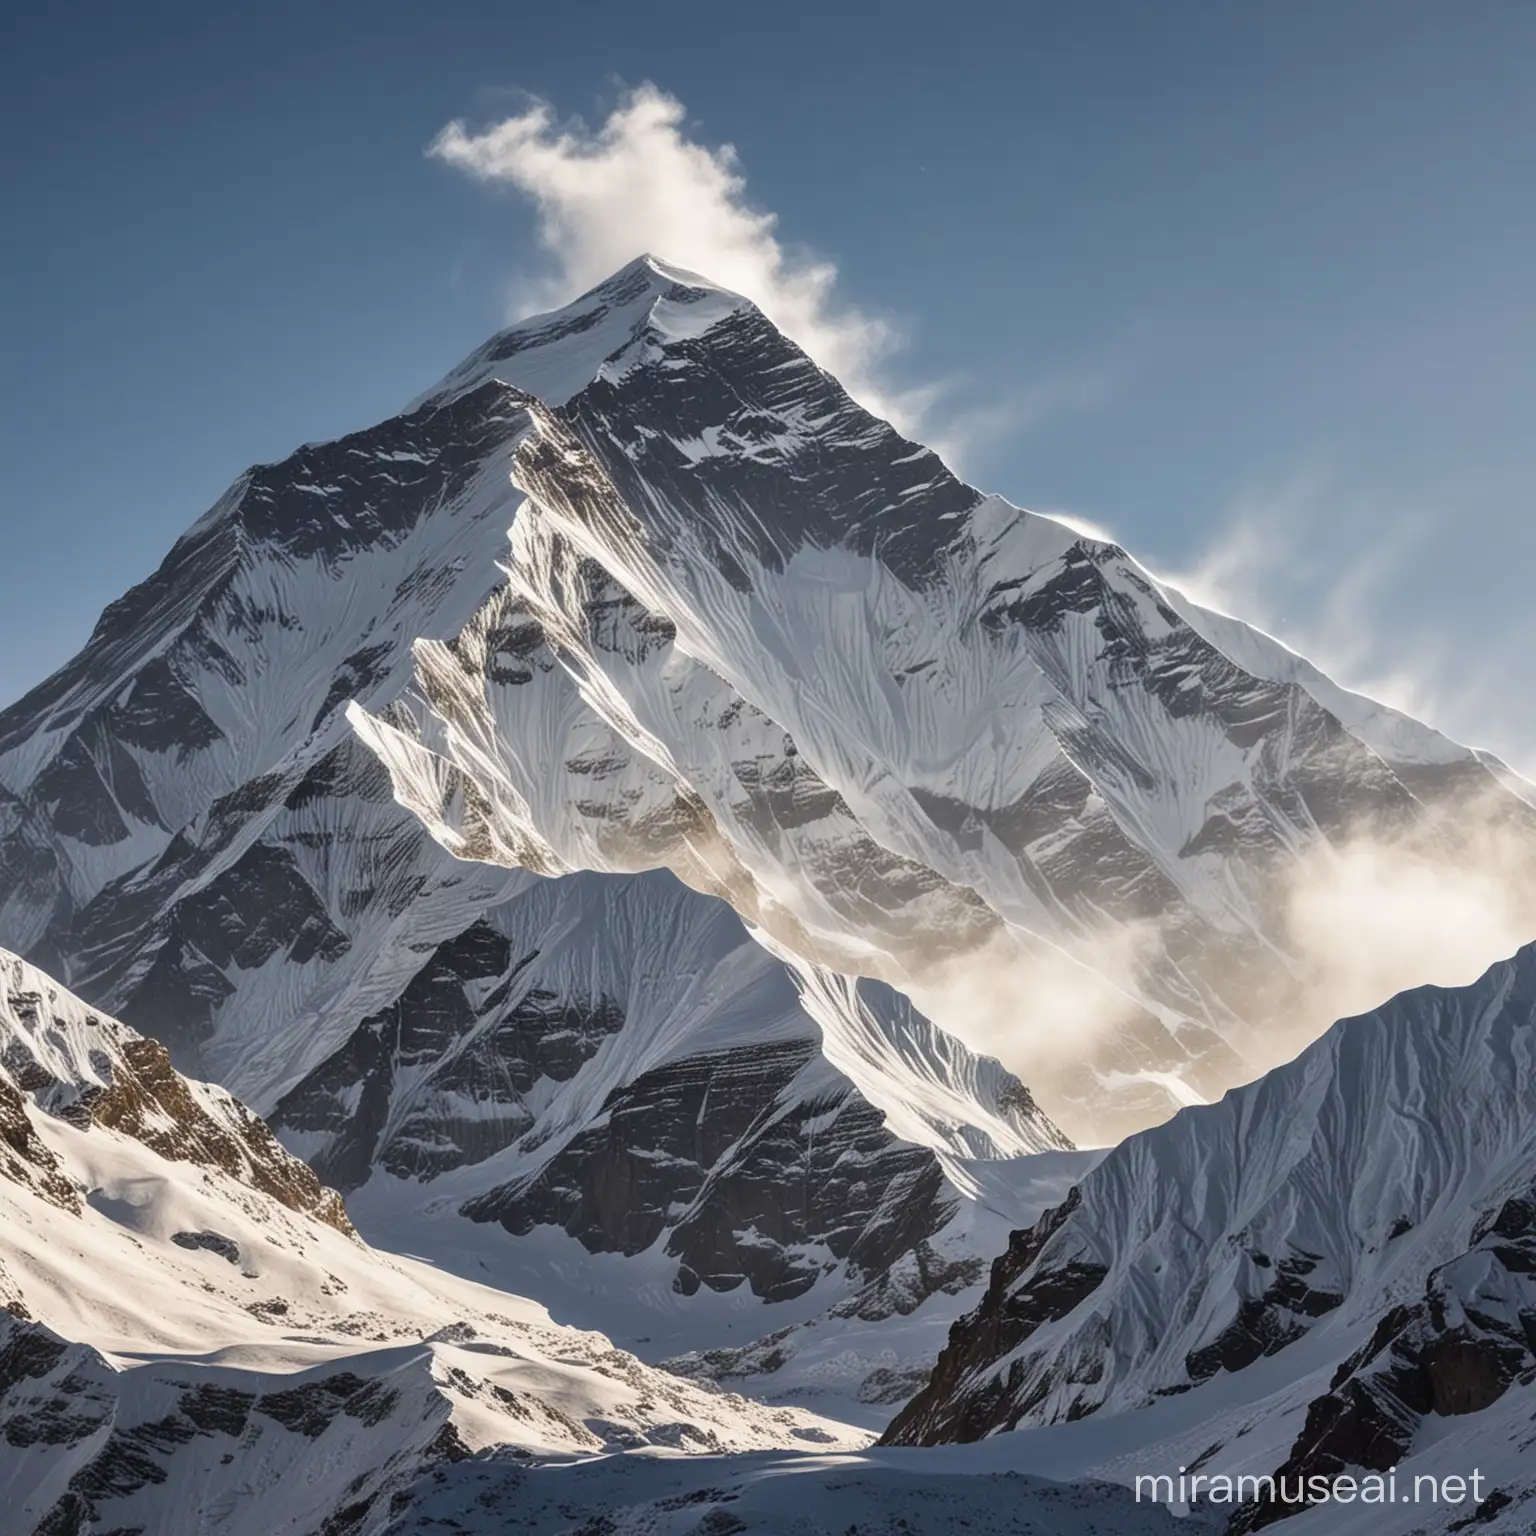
[{"x": 1249, "y": 285}]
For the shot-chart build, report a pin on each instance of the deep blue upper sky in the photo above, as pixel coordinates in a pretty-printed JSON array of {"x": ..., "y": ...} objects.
[{"x": 1252, "y": 285}]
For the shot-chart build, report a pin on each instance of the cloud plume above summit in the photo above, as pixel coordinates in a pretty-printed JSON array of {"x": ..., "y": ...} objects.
[{"x": 640, "y": 182}]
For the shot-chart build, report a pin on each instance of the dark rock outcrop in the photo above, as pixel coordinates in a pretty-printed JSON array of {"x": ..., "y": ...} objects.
[
  {"x": 1023, "y": 1294},
  {"x": 723, "y": 1139}
]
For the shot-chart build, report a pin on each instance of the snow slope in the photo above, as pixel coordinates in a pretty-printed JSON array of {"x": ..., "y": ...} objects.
[
  {"x": 194, "y": 1338},
  {"x": 628, "y": 1495}
]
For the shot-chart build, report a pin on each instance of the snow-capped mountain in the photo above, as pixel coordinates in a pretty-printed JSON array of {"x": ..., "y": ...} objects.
[
  {"x": 194, "y": 836},
  {"x": 751, "y": 634},
  {"x": 1329, "y": 1271},
  {"x": 576, "y": 884},
  {"x": 193, "y": 1338}
]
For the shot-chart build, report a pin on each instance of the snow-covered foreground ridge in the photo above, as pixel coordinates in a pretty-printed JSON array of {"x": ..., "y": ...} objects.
[
  {"x": 1332, "y": 1270},
  {"x": 192, "y": 1338}
]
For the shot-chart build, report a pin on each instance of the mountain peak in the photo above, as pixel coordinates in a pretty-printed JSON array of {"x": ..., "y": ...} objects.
[
  {"x": 667, "y": 271},
  {"x": 560, "y": 351}
]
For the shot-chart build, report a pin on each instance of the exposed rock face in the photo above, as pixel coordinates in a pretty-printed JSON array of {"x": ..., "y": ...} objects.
[
  {"x": 1376, "y": 1198},
  {"x": 24, "y": 1157},
  {"x": 1008, "y": 1315},
  {"x": 674, "y": 1096},
  {"x": 728, "y": 1139},
  {"x": 477, "y": 1044},
  {"x": 153, "y": 1103}
]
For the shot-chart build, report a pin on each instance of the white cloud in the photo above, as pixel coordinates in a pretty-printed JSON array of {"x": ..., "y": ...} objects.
[
  {"x": 639, "y": 182},
  {"x": 1038, "y": 1009}
]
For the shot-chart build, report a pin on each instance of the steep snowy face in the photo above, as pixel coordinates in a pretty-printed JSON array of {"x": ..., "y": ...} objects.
[
  {"x": 192, "y": 1336},
  {"x": 1320, "y": 1273},
  {"x": 751, "y": 634},
  {"x": 188, "y": 833}
]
